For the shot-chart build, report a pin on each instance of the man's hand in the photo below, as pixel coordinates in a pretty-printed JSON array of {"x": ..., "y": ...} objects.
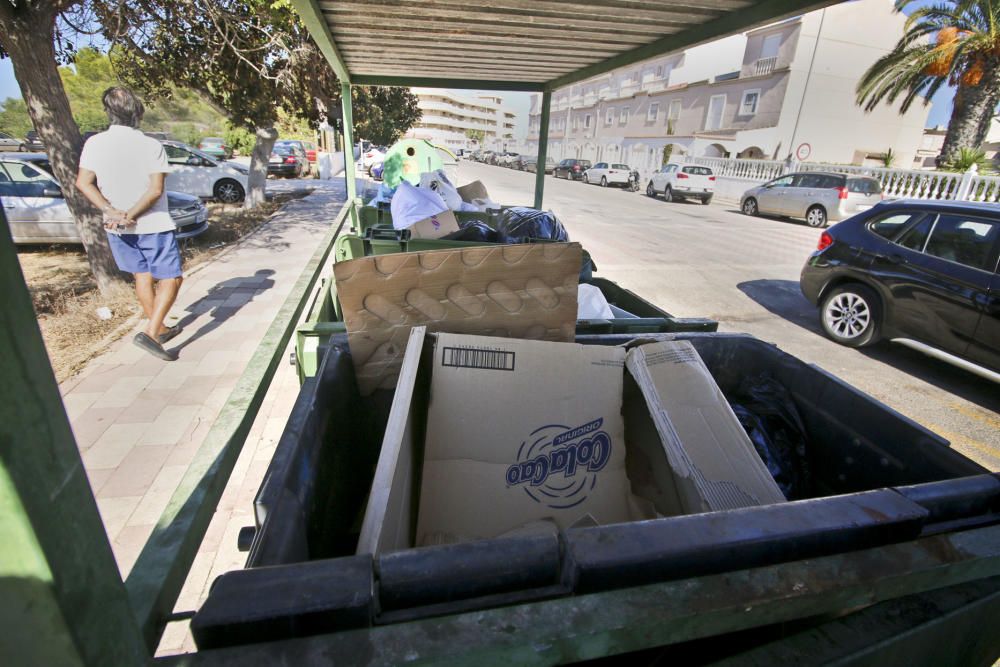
[{"x": 115, "y": 219}]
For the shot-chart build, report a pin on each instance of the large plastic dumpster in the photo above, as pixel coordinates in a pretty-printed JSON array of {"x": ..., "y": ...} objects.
[
  {"x": 881, "y": 481},
  {"x": 323, "y": 318}
]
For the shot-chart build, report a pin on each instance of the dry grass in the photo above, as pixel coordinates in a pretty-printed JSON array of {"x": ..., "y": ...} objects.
[{"x": 66, "y": 299}]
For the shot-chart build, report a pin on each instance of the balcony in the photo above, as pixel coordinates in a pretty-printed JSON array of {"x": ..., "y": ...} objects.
[{"x": 765, "y": 65}]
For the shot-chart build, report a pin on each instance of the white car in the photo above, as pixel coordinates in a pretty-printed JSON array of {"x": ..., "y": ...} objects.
[
  {"x": 371, "y": 157},
  {"x": 203, "y": 176},
  {"x": 605, "y": 174},
  {"x": 676, "y": 182},
  {"x": 37, "y": 212}
]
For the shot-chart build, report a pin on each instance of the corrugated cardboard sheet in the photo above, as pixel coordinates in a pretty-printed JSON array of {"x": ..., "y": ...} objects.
[{"x": 515, "y": 291}]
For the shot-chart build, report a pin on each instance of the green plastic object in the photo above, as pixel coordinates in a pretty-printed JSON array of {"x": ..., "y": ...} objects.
[{"x": 409, "y": 158}]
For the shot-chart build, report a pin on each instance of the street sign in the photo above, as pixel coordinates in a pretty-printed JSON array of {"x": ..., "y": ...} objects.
[{"x": 803, "y": 151}]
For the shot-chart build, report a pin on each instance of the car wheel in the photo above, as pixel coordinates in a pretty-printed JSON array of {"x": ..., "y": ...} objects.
[
  {"x": 851, "y": 314},
  {"x": 816, "y": 216},
  {"x": 650, "y": 191},
  {"x": 586, "y": 179},
  {"x": 604, "y": 182},
  {"x": 668, "y": 195},
  {"x": 750, "y": 206},
  {"x": 706, "y": 201},
  {"x": 229, "y": 191}
]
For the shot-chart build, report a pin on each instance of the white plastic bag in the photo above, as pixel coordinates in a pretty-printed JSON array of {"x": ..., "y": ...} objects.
[
  {"x": 411, "y": 204},
  {"x": 439, "y": 183},
  {"x": 591, "y": 304}
]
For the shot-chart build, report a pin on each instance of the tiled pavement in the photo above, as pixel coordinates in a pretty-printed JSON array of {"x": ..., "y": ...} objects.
[{"x": 138, "y": 421}]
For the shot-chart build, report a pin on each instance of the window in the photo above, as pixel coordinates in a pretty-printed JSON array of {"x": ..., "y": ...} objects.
[
  {"x": 659, "y": 71},
  {"x": 177, "y": 155},
  {"x": 576, "y": 123},
  {"x": 748, "y": 106},
  {"x": 621, "y": 166},
  {"x": 959, "y": 239},
  {"x": 610, "y": 117},
  {"x": 769, "y": 48},
  {"x": 783, "y": 182},
  {"x": 600, "y": 165},
  {"x": 716, "y": 108},
  {"x": 674, "y": 111},
  {"x": 889, "y": 226},
  {"x": 670, "y": 168},
  {"x": 652, "y": 112},
  {"x": 916, "y": 236},
  {"x": 24, "y": 181},
  {"x": 586, "y": 121},
  {"x": 865, "y": 186},
  {"x": 623, "y": 116}
]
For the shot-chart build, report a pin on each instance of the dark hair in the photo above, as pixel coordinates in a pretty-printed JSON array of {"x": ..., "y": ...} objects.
[{"x": 122, "y": 106}]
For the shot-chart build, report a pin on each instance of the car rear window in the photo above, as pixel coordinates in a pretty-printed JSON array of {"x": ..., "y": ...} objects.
[
  {"x": 865, "y": 186},
  {"x": 620, "y": 166},
  {"x": 283, "y": 150},
  {"x": 697, "y": 171}
]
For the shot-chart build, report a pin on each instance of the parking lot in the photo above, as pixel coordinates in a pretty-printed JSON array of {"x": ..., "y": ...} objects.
[{"x": 712, "y": 261}]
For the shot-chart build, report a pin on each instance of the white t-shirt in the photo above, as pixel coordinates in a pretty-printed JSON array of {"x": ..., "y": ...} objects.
[{"x": 123, "y": 159}]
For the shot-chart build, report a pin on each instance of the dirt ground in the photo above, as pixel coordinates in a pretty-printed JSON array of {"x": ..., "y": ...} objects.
[{"x": 67, "y": 301}]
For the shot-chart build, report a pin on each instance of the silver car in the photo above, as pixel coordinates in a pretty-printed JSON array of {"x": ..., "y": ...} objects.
[
  {"x": 37, "y": 212},
  {"x": 818, "y": 197},
  {"x": 9, "y": 143}
]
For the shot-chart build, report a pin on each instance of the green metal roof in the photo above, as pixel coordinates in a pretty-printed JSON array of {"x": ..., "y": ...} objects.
[{"x": 538, "y": 45}]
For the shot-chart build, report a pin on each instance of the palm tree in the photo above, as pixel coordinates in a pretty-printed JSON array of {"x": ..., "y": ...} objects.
[{"x": 953, "y": 41}]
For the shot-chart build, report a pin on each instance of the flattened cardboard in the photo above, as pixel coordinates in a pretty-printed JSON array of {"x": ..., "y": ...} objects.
[
  {"x": 714, "y": 463},
  {"x": 473, "y": 190},
  {"x": 521, "y": 431},
  {"x": 516, "y": 291},
  {"x": 435, "y": 226}
]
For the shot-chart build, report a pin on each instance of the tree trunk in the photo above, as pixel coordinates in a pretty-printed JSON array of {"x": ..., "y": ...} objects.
[
  {"x": 27, "y": 37},
  {"x": 973, "y": 106},
  {"x": 256, "y": 182}
]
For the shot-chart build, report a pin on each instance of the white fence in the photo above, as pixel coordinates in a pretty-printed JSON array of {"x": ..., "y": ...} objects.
[{"x": 736, "y": 175}]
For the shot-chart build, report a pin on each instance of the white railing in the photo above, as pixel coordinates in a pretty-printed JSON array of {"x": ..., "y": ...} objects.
[
  {"x": 896, "y": 183},
  {"x": 765, "y": 65}
]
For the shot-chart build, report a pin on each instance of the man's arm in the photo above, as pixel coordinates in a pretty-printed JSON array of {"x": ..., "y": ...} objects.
[
  {"x": 86, "y": 182},
  {"x": 152, "y": 194}
]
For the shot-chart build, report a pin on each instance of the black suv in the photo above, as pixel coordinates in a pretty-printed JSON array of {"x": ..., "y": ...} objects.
[
  {"x": 923, "y": 273},
  {"x": 572, "y": 169}
]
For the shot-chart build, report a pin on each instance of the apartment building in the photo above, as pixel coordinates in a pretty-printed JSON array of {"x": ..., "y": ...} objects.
[
  {"x": 780, "y": 90},
  {"x": 454, "y": 121}
]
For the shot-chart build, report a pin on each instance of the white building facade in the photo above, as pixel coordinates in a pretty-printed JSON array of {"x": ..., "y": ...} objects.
[
  {"x": 455, "y": 121},
  {"x": 786, "y": 89}
]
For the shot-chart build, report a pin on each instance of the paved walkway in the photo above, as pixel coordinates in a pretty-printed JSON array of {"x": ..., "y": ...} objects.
[{"x": 139, "y": 421}]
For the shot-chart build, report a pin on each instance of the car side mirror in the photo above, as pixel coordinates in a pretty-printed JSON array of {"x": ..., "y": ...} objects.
[{"x": 55, "y": 193}]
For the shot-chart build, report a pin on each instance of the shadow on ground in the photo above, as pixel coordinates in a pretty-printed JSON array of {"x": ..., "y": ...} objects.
[
  {"x": 222, "y": 301},
  {"x": 783, "y": 298}
]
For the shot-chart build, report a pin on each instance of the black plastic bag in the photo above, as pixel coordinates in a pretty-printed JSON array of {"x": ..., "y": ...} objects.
[
  {"x": 521, "y": 224},
  {"x": 769, "y": 416},
  {"x": 474, "y": 230}
]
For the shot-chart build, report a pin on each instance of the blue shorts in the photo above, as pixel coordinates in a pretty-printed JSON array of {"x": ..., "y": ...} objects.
[{"x": 157, "y": 254}]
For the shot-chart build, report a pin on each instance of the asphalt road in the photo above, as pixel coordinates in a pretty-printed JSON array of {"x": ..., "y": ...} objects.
[{"x": 711, "y": 261}]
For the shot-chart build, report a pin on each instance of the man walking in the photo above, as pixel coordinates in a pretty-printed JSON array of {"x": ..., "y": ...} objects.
[{"x": 122, "y": 173}]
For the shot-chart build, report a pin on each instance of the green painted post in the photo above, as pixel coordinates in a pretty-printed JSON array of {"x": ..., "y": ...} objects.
[
  {"x": 62, "y": 600},
  {"x": 350, "y": 171},
  {"x": 543, "y": 148}
]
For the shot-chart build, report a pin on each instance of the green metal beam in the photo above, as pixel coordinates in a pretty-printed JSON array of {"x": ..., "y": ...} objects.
[
  {"x": 429, "y": 82},
  {"x": 159, "y": 573},
  {"x": 543, "y": 148},
  {"x": 61, "y": 597},
  {"x": 314, "y": 21},
  {"x": 729, "y": 23},
  {"x": 584, "y": 627},
  {"x": 350, "y": 169}
]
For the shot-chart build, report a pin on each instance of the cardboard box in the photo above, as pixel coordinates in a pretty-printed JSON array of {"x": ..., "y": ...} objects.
[
  {"x": 435, "y": 226},
  {"x": 492, "y": 436},
  {"x": 714, "y": 463},
  {"x": 472, "y": 191}
]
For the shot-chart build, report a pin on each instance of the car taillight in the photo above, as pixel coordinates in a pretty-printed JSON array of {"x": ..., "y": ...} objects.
[
  {"x": 711, "y": 178},
  {"x": 841, "y": 192},
  {"x": 576, "y": 167},
  {"x": 289, "y": 160},
  {"x": 682, "y": 175},
  {"x": 825, "y": 241},
  {"x": 369, "y": 154}
]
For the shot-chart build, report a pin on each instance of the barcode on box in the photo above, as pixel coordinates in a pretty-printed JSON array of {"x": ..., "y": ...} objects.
[{"x": 471, "y": 357}]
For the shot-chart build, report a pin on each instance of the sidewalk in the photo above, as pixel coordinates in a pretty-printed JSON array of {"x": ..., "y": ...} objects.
[{"x": 138, "y": 421}]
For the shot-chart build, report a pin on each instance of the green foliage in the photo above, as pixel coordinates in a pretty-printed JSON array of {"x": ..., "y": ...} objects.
[
  {"x": 239, "y": 139},
  {"x": 889, "y": 158},
  {"x": 967, "y": 157},
  {"x": 14, "y": 119},
  {"x": 668, "y": 150},
  {"x": 475, "y": 135}
]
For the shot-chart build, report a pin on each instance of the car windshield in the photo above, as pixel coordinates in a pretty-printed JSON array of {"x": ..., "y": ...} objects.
[
  {"x": 697, "y": 171},
  {"x": 621, "y": 166}
]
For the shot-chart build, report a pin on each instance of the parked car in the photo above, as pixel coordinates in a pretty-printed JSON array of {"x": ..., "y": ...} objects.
[
  {"x": 38, "y": 213},
  {"x": 571, "y": 169},
  {"x": 203, "y": 176},
  {"x": 923, "y": 273},
  {"x": 9, "y": 143},
  {"x": 33, "y": 142},
  {"x": 819, "y": 197},
  {"x": 506, "y": 159},
  {"x": 216, "y": 147},
  {"x": 531, "y": 164},
  {"x": 681, "y": 182},
  {"x": 307, "y": 146},
  {"x": 605, "y": 174},
  {"x": 288, "y": 160},
  {"x": 371, "y": 155}
]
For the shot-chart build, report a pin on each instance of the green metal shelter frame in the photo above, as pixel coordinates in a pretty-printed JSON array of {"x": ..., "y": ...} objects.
[{"x": 63, "y": 599}]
